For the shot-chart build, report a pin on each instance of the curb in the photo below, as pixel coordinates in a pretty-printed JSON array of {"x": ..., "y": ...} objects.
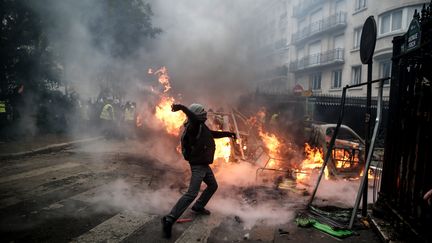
[
  {"x": 382, "y": 233},
  {"x": 48, "y": 149}
]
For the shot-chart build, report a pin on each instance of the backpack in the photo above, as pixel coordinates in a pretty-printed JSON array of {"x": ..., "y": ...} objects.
[
  {"x": 186, "y": 146},
  {"x": 199, "y": 149}
]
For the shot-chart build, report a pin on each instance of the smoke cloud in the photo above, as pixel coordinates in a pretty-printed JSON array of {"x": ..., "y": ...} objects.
[{"x": 205, "y": 47}]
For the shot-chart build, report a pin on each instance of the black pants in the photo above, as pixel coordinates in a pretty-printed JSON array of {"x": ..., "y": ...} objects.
[{"x": 200, "y": 173}]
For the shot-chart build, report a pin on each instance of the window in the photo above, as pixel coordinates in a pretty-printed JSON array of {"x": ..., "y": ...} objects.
[
  {"x": 336, "y": 79},
  {"x": 316, "y": 81},
  {"x": 300, "y": 53},
  {"x": 359, "y": 5},
  {"x": 356, "y": 75},
  {"x": 338, "y": 42},
  {"x": 340, "y": 6},
  {"x": 315, "y": 53},
  {"x": 357, "y": 37},
  {"x": 385, "y": 70},
  {"x": 390, "y": 22}
]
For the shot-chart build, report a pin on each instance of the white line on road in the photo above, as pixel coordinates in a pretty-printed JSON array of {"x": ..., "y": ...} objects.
[
  {"x": 116, "y": 228},
  {"x": 200, "y": 229}
]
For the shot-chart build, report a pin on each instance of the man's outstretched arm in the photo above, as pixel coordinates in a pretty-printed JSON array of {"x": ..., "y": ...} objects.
[
  {"x": 179, "y": 107},
  {"x": 220, "y": 134}
]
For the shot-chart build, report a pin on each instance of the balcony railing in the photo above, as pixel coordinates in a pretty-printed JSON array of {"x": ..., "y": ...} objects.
[
  {"x": 335, "y": 56},
  {"x": 338, "y": 20},
  {"x": 304, "y": 6}
]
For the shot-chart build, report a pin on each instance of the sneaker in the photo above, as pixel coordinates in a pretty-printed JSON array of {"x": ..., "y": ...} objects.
[
  {"x": 201, "y": 211},
  {"x": 166, "y": 227}
]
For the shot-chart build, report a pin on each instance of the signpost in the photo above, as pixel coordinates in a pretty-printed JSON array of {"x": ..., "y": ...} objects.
[
  {"x": 298, "y": 89},
  {"x": 367, "y": 49},
  {"x": 413, "y": 36}
]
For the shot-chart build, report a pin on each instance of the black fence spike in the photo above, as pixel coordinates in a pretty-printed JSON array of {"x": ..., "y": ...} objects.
[
  {"x": 423, "y": 12},
  {"x": 416, "y": 14},
  {"x": 429, "y": 10}
]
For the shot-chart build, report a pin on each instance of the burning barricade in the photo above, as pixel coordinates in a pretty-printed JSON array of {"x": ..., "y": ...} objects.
[{"x": 271, "y": 154}]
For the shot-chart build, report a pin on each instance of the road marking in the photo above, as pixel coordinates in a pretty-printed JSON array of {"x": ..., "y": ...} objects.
[
  {"x": 40, "y": 190},
  {"x": 200, "y": 229},
  {"x": 116, "y": 228},
  {"x": 38, "y": 172}
]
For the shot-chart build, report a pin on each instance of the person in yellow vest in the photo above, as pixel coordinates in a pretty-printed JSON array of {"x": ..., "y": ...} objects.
[
  {"x": 107, "y": 120},
  {"x": 129, "y": 119},
  {"x": 3, "y": 116},
  {"x": 2, "y": 106}
]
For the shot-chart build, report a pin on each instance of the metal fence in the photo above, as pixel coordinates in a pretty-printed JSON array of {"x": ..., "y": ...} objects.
[{"x": 407, "y": 170}]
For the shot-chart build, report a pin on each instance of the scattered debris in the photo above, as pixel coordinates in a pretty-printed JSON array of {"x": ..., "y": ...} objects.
[
  {"x": 238, "y": 219},
  {"x": 365, "y": 222},
  {"x": 310, "y": 222},
  {"x": 283, "y": 232}
]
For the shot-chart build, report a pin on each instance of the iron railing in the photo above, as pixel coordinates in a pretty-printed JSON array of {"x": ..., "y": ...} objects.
[
  {"x": 335, "y": 56},
  {"x": 338, "y": 20},
  {"x": 304, "y": 6}
]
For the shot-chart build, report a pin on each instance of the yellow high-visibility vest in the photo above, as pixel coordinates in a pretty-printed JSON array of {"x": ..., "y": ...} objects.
[
  {"x": 2, "y": 107},
  {"x": 105, "y": 114},
  {"x": 129, "y": 114}
]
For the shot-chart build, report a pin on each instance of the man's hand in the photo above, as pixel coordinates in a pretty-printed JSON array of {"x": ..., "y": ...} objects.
[
  {"x": 176, "y": 107},
  {"x": 233, "y": 135}
]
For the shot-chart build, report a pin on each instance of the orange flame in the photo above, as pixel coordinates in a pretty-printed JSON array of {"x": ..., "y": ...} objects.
[
  {"x": 163, "y": 78},
  {"x": 370, "y": 174},
  {"x": 171, "y": 120},
  {"x": 342, "y": 158},
  {"x": 273, "y": 145},
  {"x": 223, "y": 149},
  {"x": 314, "y": 160}
]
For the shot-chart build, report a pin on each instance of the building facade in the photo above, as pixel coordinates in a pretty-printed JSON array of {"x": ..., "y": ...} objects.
[
  {"x": 323, "y": 41},
  {"x": 272, "y": 20}
]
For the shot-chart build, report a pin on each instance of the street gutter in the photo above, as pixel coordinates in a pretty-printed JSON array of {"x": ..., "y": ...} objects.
[{"x": 49, "y": 148}]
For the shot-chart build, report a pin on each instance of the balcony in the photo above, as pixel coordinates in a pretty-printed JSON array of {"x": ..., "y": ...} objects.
[
  {"x": 319, "y": 60},
  {"x": 333, "y": 22},
  {"x": 304, "y": 6}
]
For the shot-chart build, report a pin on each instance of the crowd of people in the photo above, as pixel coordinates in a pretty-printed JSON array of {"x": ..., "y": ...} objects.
[
  {"x": 109, "y": 116},
  {"x": 58, "y": 113}
]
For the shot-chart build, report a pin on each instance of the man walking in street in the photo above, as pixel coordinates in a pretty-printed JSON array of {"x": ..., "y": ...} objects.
[{"x": 198, "y": 147}]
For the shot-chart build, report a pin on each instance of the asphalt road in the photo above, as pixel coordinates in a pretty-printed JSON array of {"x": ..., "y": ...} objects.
[{"x": 116, "y": 192}]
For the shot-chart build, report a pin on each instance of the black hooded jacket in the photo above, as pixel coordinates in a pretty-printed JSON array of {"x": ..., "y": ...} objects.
[{"x": 197, "y": 140}]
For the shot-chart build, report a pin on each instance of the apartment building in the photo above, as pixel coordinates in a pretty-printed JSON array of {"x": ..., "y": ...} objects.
[
  {"x": 323, "y": 40},
  {"x": 272, "y": 20}
]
